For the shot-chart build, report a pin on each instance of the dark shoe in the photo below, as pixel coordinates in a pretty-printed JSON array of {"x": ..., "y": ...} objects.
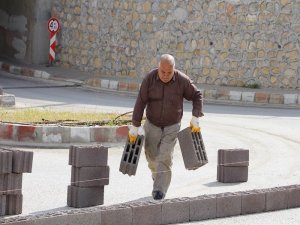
[{"x": 158, "y": 195}]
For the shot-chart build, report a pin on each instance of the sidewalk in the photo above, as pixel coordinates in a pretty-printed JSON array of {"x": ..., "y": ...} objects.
[{"x": 270, "y": 97}]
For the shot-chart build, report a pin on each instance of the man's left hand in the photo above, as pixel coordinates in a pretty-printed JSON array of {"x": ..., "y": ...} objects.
[{"x": 194, "y": 124}]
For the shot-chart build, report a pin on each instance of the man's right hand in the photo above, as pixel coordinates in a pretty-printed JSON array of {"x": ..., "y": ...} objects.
[{"x": 133, "y": 133}]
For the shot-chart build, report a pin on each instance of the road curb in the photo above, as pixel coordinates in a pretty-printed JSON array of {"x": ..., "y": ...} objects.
[
  {"x": 60, "y": 136},
  {"x": 220, "y": 93},
  {"x": 177, "y": 210}
]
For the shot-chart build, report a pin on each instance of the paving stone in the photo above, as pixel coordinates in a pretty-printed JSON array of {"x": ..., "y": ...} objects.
[
  {"x": 80, "y": 135},
  {"x": 146, "y": 213},
  {"x": 21, "y": 160},
  {"x": 276, "y": 98},
  {"x": 81, "y": 156},
  {"x": 276, "y": 198},
  {"x": 113, "y": 84},
  {"x": 11, "y": 183},
  {"x": 233, "y": 157},
  {"x": 232, "y": 174},
  {"x": 14, "y": 204},
  {"x": 80, "y": 197},
  {"x": 5, "y": 161},
  {"x": 7, "y": 100},
  {"x": 210, "y": 94},
  {"x": 2, "y": 204},
  {"x": 192, "y": 149},
  {"x": 90, "y": 176},
  {"x": 253, "y": 201},
  {"x": 262, "y": 97},
  {"x": 294, "y": 196},
  {"x": 117, "y": 214},
  {"x": 223, "y": 94},
  {"x": 175, "y": 211},
  {"x": 290, "y": 98},
  {"x": 131, "y": 155},
  {"x": 235, "y": 95},
  {"x": 203, "y": 207},
  {"x": 229, "y": 204},
  {"x": 248, "y": 96}
]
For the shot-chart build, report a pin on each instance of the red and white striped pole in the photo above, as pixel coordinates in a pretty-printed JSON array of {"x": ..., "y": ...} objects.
[
  {"x": 52, "y": 47},
  {"x": 53, "y": 26}
]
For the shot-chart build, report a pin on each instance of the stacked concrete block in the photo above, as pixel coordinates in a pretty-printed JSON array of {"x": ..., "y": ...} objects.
[
  {"x": 131, "y": 156},
  {"x": 233, "y": 165},
  {"x": 13, "y": 163},
  {"x": 192, "y": 149},
  {"x": 89, "y": 175}
]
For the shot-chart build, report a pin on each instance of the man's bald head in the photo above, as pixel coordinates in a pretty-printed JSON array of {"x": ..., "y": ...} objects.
[{"x": 166, "y": 68}]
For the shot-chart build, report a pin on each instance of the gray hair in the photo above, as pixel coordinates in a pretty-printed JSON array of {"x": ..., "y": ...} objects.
[{"x": 168, "y": 58}]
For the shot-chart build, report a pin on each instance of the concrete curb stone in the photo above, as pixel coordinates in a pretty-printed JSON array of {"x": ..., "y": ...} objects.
[
  {"x": 163, "y": 211},
  {"x": 61, "y": 134}
]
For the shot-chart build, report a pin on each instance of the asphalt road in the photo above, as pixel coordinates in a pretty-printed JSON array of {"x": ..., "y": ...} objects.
[{"x": 271, "y": 135}]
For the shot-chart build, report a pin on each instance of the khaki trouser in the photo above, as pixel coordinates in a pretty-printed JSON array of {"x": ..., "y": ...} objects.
[{"x": 159, "y": 148}]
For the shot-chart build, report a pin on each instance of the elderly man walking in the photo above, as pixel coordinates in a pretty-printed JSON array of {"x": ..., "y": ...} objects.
[{"x": 162, "y": 92}]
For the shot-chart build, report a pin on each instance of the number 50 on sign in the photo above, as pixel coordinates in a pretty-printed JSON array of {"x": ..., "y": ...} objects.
[{"x": 53, "y": 26}]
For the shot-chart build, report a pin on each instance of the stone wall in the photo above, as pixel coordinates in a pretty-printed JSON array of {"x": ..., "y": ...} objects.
[{"x": 235, "y": 43}]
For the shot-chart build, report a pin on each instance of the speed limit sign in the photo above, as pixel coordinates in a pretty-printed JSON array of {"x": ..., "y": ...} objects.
[{"x": 53, "y": 25}]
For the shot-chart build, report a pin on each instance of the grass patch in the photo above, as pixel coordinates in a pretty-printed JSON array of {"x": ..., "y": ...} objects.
[
  {"x": 253, "y": 86},
  {"x": 41, "y": 116}
]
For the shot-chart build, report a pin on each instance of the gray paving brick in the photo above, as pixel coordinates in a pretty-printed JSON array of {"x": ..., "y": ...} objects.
[
  {"x": 229, "y": 204},
  {"x": 146, "y": 213},
  {"x": 11, "y": 183},
  {"x": 203, "y": 207},
  {"x": 116, "y": 214},
  {"x": 5, "y": 161},
  {"x": 253, "y": 201},
  {"x": 2, "y": 204},
  {"x": 233, "y": 157},
  {"x": 131, "y": 155},
  {"x": 192, "y": 149},
  {"x": 294, "y": 196},
  {"x": 21, "y": 160},
  {"x": 232, "y": 174},
  {"x": 83, "y": 156},
  {"x": 90, "y": 176},
  {"x": 175, "y": 210},
  {"x": 80, "y": 197},
  {"x": 276, "y": 198},
  {"x": 14, "y": 204}
]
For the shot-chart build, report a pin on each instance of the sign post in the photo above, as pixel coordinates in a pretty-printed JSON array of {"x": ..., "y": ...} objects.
[{"x": 53, "y": 27}]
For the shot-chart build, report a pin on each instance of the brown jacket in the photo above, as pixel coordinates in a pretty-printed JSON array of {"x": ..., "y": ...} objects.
[{"x": 164, "y": 101}]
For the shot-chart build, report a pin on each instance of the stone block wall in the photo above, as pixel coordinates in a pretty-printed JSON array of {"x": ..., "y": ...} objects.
[{"x": 221, "y": 42}]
